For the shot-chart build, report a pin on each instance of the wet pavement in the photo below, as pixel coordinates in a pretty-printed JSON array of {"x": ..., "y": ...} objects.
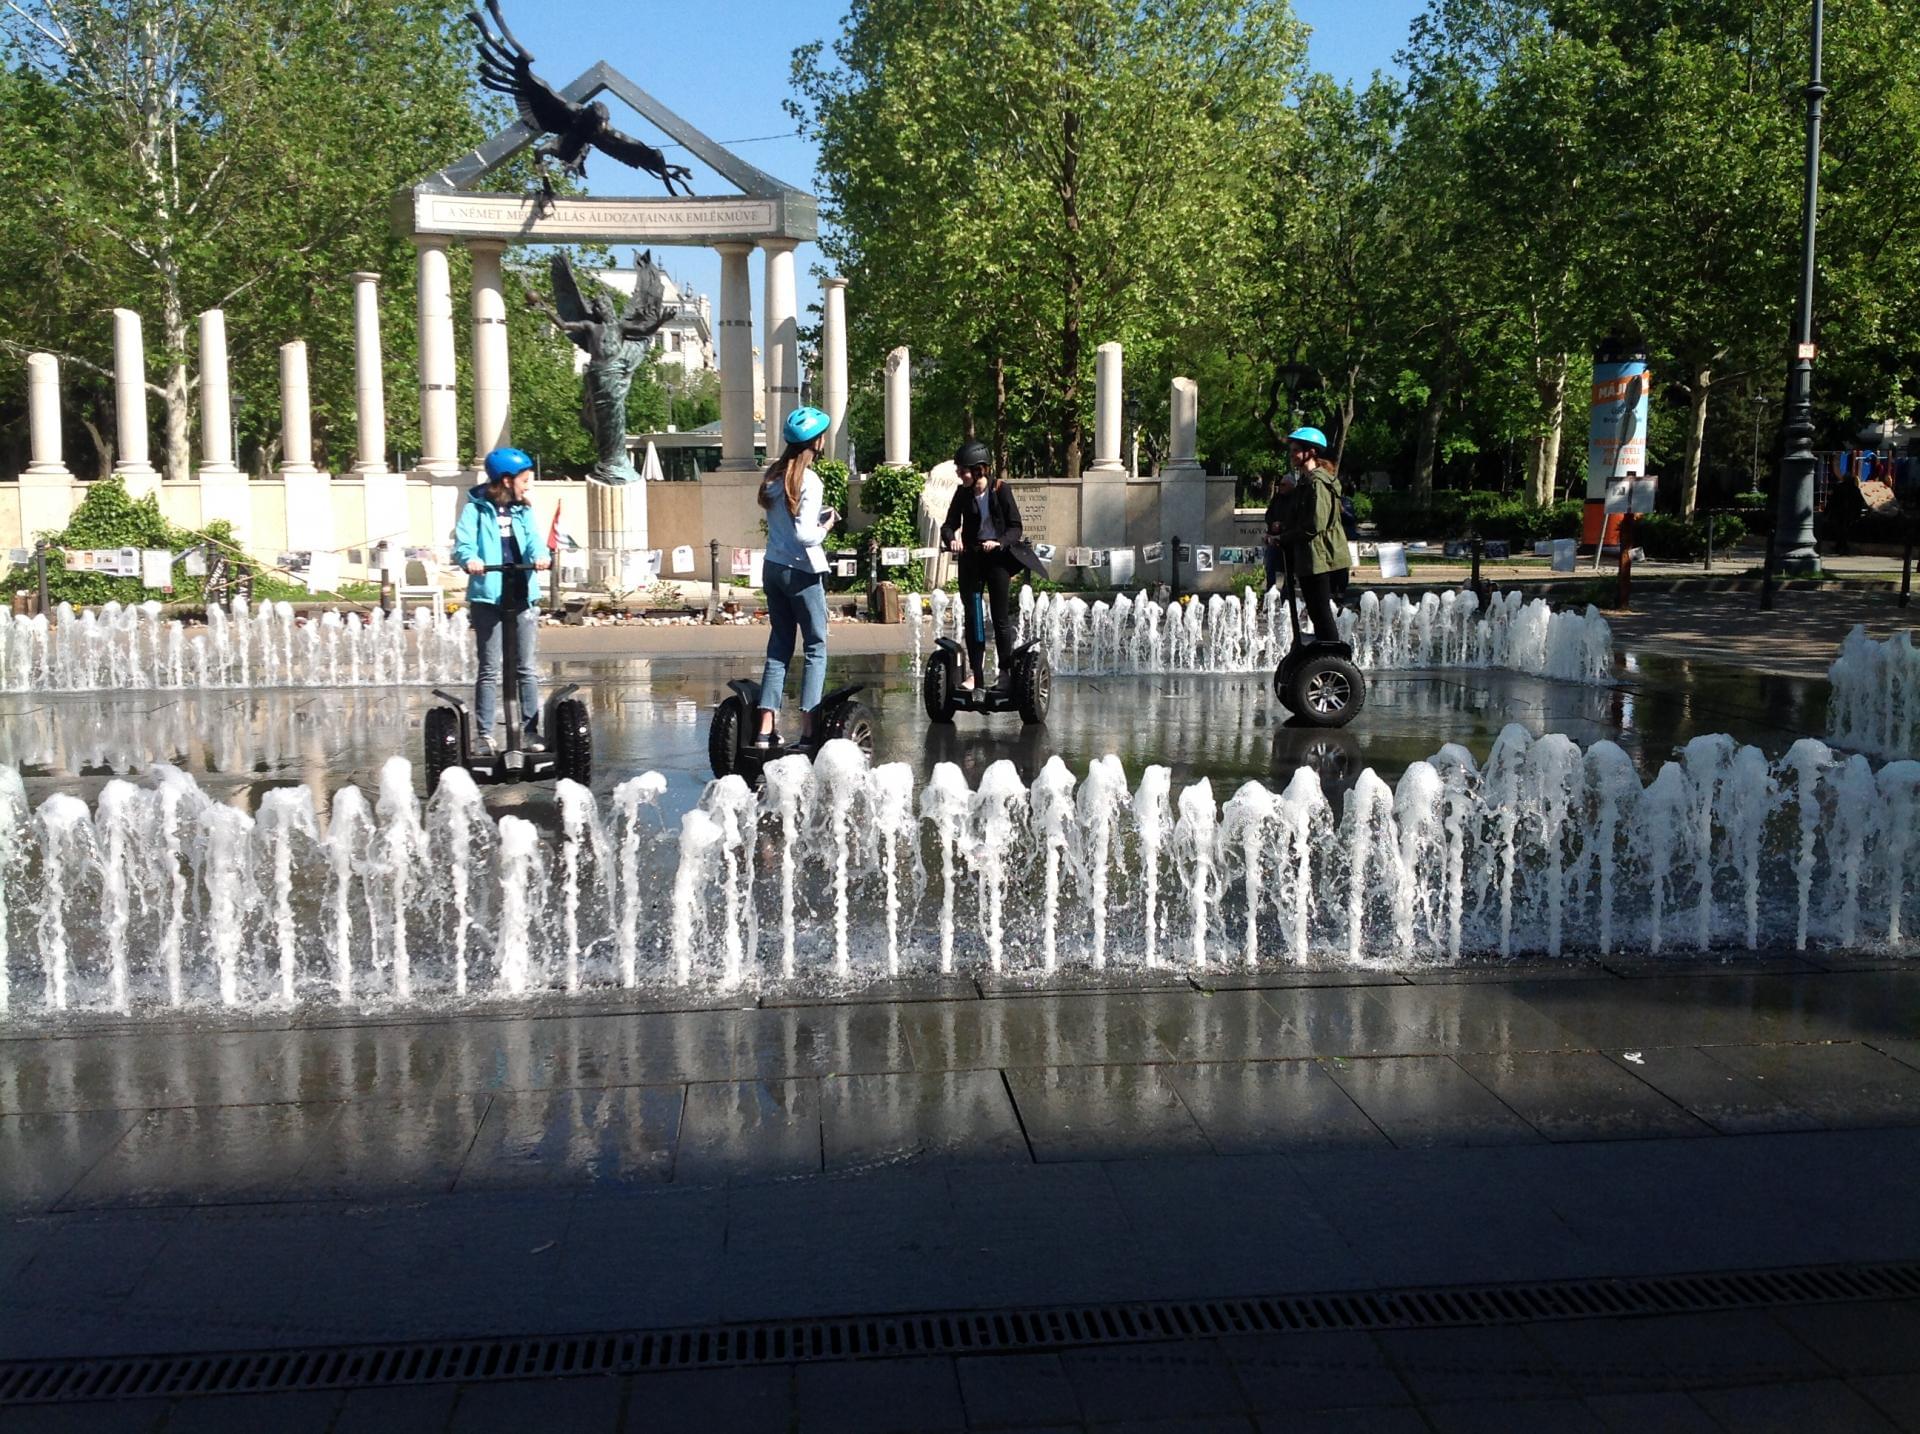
[
  {"x": 944, "y": 1144},
  {"x": 653, "y": 714},
  {"x": 631, "y": 1166}
]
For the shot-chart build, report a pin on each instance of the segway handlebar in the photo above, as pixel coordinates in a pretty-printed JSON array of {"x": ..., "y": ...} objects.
[{"x": 510, "y": 568}]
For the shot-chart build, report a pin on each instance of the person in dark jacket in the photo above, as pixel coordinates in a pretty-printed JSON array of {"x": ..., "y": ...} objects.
[
  {"x": 1303, "y": 520},
  {"x": 983, "y": 528}
]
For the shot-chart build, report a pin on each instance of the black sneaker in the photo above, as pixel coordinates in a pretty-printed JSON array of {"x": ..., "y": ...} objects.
[
  {"x": 763, "y": 741},
  {"x": 530, "y": 742}
]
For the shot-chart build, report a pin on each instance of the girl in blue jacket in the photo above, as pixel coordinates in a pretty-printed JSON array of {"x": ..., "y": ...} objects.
[{"x": 496, "y": 526}]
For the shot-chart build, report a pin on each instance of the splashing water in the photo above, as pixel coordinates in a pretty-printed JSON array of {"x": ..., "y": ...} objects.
[{"x": 158, "y": 897}]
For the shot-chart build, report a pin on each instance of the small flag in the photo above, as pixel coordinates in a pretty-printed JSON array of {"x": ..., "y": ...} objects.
[{"x": 558, "y": 541}]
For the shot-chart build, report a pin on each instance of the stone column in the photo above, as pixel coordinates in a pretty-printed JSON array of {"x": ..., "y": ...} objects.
[
  {"x": 899, "y": 411},
  {"x": 43, "y": 418},
  {"x": 833, "y": 364},
  {"x": 492, "y": 387},
  {"x": 1107, "y": 378},
  {"x": 1183, "y": 442},
  {"x": 309, "y": 492},
  {"x": 1104, "y": 517},
  {"x": 736, "y": 358},
  {"x": 46, "y": 487},
  {"x": 781, "y": 341},
  {"x": 439, "y": 461},
  {"x": 369, "y": 382},
  {"x": 216, "y": 398},
  {"x": 383, "y": 494},
  {"x": 224, "y": 493},
  {"x": 132, "y": 462},
  {"x": 1183, "y": 483}
]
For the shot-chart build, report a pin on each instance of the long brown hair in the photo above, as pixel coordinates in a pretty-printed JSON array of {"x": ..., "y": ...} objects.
[{"x": 789, "y": 470}]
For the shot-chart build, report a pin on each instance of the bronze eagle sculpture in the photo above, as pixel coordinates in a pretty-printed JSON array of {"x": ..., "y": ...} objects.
[{"x": 506, "y": 67}]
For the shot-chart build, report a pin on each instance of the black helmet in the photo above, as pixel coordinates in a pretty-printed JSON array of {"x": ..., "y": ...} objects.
[{"x": 972, "y": 454}]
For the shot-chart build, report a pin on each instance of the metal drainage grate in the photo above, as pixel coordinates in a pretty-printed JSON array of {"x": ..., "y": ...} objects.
[{"x": 970, "y": 1332}]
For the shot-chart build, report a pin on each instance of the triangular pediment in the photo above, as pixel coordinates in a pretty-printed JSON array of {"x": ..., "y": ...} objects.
[
  {"x": 602, "y": 78},
  {"x": 450, "y": 202}
]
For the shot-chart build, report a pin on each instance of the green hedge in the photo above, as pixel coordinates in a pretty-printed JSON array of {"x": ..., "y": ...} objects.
[
  {"x": 108, "y": 517},
  {"x": 1668, "y": 539},
  {"x": 1398, "y": 517},
  {"x": 891, "y": 497}
]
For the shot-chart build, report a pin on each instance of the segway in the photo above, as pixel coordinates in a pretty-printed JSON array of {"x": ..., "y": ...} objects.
[
  {"x": 1030, "y": 693},
  {"x": 563, "y": 726},
  {"x": 1316, "y": 681},
  {"x": 730, "y": 746}
]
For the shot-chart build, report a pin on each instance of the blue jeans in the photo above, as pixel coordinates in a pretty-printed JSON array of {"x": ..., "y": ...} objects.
[
  {"x": 795, "y": 600},
  {"x": 487, "y": 619}
]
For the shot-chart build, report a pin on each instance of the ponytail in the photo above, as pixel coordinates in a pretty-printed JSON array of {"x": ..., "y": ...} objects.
[{"x": 787, "y": 472}]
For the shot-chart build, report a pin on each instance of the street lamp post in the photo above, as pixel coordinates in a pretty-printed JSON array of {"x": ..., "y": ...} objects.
[
  {"x": 1760, "y": 402},
  {"x": 1800, "y": 555}
]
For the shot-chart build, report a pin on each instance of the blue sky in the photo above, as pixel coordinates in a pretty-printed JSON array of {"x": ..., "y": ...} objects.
[{"x": 724, "y": 66}]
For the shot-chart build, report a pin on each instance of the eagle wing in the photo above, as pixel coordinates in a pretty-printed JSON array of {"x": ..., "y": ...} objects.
[
  {"x": 566, "y": 292},
  {"x": 617, "y": 144},
  {"x": 506, "y": 68},
  {"x": 646, "y": 309}
]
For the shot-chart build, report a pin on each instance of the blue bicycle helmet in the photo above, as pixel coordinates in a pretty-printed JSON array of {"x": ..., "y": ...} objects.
[
  {"x": 804, "y": 425},
  {"x": 506, "y": 462},
  {"x": 1310, "y": 435}
]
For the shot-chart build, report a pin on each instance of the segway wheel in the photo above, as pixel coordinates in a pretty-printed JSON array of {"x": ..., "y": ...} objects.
[
  {"x": 572, "y": 740},
  {"x": 1033, "y": 688},
  {"x": 723, "y": 737},
  {"x": 442, "y": 730},
  {"x": 852, "y": 721},
  {"x": 936, "y": 688},
  {"x": 1329, "y": 691}
]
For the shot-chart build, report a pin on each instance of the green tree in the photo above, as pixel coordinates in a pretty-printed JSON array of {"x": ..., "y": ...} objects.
[
  {"x": 1077, "y": 171},
  {"x": 233, "y": 154}
]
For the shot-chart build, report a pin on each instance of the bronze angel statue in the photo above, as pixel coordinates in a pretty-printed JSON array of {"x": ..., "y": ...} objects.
[
  {"x": 616, "y": 346},
  {"x": 506, "y": 67}
]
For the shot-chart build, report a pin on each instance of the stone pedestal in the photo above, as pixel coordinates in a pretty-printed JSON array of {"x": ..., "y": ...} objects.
[
  {"x": 492, "y": 388},
  {"x": 384, "y": 501},
  {"x": 617, "y": 531},
  {"x": 736, "y": 360},
  {"x": 899, "y": 410},
  {"x": 781, "y": 351},
  {"x": 833, "y": 364},
  {"x": 132, "y": 461}
]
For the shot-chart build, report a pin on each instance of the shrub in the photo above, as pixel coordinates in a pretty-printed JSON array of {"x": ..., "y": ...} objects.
[
  {"x": 1399, "y": 516},
  {"x": 833, "y": 484},
  {"x": 108, "y": 517},
  {"x": 891, "y": 497},
  {"x": 1668, "y": 539}
]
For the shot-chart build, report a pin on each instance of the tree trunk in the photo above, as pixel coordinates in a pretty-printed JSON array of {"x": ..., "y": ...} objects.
[
  {"x": 102, "y": 443},
  {"x": 1556, "y": 432},
  {"x": 1543, "y": 450},
  {"x": 1071, "y": 308},
  {"x": 1000, "y": 464},
  {"x": 1429, "y": 449},
  {"x": 1696, "y": 439}
]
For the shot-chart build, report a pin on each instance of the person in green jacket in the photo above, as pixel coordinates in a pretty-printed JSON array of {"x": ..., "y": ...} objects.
[{"x": 1304, "y": 520}]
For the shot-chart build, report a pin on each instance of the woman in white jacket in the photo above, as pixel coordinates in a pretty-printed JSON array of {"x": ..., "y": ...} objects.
[{"x": 798, "y": 522}]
